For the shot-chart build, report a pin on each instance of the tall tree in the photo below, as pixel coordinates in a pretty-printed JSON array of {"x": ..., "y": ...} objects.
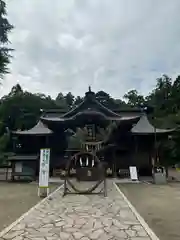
[
  {"x": 161, "y": 97},
  {"x": 21, "y": 109},
  {"x": 61, "y": 101},
  {"x": 69, "y": 99},
  {"x": 133, "y": 98},
  {"x": 105, "y": 99},
  {"x": 78, "y": 100},
  {"x": 5, "y": 28},
  {"x": 102, "y": 97},
  {"x": 175, "y": 95},
  {"x": 16, "y": 90}
]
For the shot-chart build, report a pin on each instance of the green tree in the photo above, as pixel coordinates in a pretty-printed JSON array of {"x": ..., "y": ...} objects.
[
  {"x": 4, "y": 142},
  {"x": 61, "y": 101},
  {"x": 102, "y": 97},
  {"x": 16, "y": 90},
  {"x": 21, "y": 110},
  {"x": 69, "y": 98},
  {"x": 78, "y": 100},
  {"x": 134, "y": 99},
  {"x": 161, "y": 97},
  {"x": 164, "y": 100},
  {"x": 175, "y": 96},
  {"x": 5, "y": 28},
  {"x": 105, "y": 99},
  {"x": 120, "y": 104}
]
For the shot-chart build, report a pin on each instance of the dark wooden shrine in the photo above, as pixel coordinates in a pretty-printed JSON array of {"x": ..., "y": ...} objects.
[{"x": 131, "y": 143}]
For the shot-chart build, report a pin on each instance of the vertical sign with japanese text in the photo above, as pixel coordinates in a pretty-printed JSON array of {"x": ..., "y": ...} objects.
[
  {"x": 133, "y": 173},
  {"x": 44, "y": 168}
]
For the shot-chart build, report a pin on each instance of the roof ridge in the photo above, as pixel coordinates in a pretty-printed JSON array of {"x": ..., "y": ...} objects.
[
  {"x": 143, "y": 126},
  {"x": 39, "y": 129}
]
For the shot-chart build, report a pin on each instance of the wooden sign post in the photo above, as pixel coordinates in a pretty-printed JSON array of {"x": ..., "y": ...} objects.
[{"x": 44, "y": 171}]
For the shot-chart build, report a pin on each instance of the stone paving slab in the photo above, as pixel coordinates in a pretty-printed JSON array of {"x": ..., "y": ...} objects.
[{"x": 82, "y": 217}]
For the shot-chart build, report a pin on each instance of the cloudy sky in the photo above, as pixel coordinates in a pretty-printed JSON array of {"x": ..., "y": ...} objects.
[{"x": 112, "y": 45}]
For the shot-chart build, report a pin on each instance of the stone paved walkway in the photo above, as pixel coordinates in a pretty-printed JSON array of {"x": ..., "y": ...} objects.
[{"x": 82, "y": 217}]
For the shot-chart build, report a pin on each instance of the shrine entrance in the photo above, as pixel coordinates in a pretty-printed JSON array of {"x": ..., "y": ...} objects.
[{"x": 87, "y": 167}]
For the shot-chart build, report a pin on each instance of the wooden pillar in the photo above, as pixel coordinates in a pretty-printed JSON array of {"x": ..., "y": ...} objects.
[
  {"x": 114, "y": 163},
  {"x": 136, "y": 150},
  {"x": 12, "y": 170},
  {"x": 155, "y": 145},
  {"x": 46, "y": 141}
]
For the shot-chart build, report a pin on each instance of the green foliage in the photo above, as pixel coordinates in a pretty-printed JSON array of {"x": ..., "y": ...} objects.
[
  {"x": 4, "y": 141},
  {"x": 105, "y": 99},
  {"x": 134, "y": 99},
  {"x": 161, "y": 97},
  {"x": 77, "y": 101},
  {"x": 69, "y": 98},
  {"x": 5, "y": 28},
  {"x": 61, "y": 101}
]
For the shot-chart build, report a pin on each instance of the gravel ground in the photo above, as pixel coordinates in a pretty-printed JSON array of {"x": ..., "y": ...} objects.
[
  {"x": 158, "y": 205},
  {"x": 16, "y": 199}
]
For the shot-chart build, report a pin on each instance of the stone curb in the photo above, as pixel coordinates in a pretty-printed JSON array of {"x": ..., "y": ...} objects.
[
  {"x": 7, "y": 229},
  {"x": 149, "y": 231}
]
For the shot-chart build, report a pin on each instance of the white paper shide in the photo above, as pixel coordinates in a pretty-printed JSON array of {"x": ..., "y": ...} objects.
[{"x": 44, "y": 168}]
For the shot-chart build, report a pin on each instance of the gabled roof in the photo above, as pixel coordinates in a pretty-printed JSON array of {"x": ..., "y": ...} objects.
[
  {"x": 143, "y": 126},
  {"x": 39, "y": 129},
  {"x": 89, "y": 106}
]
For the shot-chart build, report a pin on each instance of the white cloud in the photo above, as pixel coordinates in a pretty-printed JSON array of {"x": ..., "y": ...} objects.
[{"x": 112, "y": 45}]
